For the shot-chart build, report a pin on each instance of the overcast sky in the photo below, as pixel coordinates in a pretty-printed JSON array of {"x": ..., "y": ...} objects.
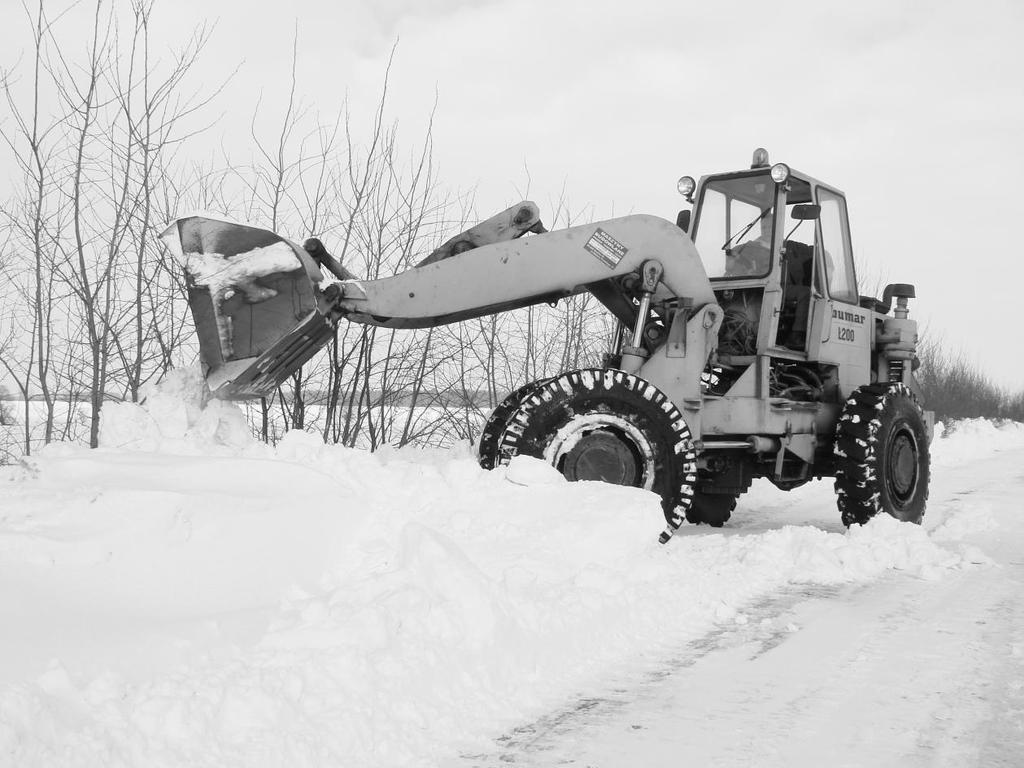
[{"x": 913, "y": 109}]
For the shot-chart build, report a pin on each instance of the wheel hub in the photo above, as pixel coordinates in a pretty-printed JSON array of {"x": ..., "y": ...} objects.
[
  {"x": 602, "y": 455},
  {"x": 603, "y": 446},
  {"x": 902, "y": 466}
]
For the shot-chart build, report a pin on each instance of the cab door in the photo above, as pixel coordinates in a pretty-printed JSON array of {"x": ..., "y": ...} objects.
[{"x": 840, "y": 329}]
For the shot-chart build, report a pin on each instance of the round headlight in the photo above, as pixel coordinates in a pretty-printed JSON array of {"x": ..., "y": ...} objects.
[
  {"x": 780, "y": 172},
  {"x": 686, "y": 185}
]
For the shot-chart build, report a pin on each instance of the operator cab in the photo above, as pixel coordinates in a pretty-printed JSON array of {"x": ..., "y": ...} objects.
[
  {"x": 775, "y": 243},
  {"x": 777, "y": 230}
]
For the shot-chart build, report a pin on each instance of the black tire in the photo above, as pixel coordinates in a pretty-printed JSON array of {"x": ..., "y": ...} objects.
[
  {"x": 712, "y": 509},
  {"x": 490, "y": 437},
  {"x": 882, "y": 456},
  {"x": 605, "y": 424}
]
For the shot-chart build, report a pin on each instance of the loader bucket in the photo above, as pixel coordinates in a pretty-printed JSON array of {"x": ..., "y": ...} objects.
[{"x": 255, "y": 302}]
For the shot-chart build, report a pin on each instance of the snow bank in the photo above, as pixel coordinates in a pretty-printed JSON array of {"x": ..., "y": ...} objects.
[
  {"x": 186, "y": 596},
  {"x": 969, "y": 438}
]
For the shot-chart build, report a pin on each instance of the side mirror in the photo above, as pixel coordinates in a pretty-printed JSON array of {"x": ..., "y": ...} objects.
[
  {"x": 683, "y": 220},
  {"x": 806, "y": 212}
]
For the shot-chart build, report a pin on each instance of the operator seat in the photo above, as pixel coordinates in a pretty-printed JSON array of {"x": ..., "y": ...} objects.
[{"x": 797, "y": 270}]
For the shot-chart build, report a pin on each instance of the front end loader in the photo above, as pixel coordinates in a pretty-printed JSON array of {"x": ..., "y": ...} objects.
[
  {"x": 743, "y": 349},
  {"x": 263, "y": 305}
]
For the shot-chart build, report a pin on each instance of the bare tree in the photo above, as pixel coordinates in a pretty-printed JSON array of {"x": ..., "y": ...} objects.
[
  {"x": 96, "y": 298},
  {"x": 34, "y": 220},
  {"x": 97, "y": 307}
]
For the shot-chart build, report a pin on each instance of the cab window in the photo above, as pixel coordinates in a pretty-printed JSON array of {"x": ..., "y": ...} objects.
[
  {"x": 840, "y": 277},
  {"x": 733, "y": 214}
]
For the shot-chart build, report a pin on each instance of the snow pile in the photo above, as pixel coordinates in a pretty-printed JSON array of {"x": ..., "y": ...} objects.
[
  {"x": 526, "y": 470},
  {"x": 176, "y": 416},
  {"x": 185, "y": 596},
  {"x": 223, "y": 274}
]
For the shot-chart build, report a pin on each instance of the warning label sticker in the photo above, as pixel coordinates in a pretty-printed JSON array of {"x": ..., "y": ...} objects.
[{"x": 606, "y": 248}]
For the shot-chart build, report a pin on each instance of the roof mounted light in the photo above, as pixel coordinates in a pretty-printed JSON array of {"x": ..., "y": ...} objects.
[
  {"x": 760, "y": 159},
  {"x": 780, "y": 172},
  {"x": 686, "y": 185}
]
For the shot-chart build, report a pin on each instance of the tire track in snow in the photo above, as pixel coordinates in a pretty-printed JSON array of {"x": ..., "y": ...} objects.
[{"x": 766, "y": 627}]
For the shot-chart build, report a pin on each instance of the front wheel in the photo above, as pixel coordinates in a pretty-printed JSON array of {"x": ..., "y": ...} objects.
[
  {"x": 882, "y": 457},
  {"x": 605, "y": 424},
  {"x": 497, "y": 422}
]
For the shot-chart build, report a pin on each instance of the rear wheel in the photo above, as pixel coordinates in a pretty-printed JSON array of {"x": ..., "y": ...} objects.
[
  {"x": 605, "y": 424},
  {"x": 882, "y": 457},
  {"x": 712, "y": 509}
]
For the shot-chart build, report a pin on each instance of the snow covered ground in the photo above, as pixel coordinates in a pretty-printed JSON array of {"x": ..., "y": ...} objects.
[{"x": 186, "y": 596}]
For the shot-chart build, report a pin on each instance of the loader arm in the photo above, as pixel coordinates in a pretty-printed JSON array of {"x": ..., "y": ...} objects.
[
  {"x": 517, "y": 273},
  {"x": 260, "y": 318}
]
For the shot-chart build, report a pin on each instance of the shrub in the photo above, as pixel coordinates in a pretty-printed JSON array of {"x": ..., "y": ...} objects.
[
  {"x": 955, "y": 387},
  {"x": 6, "y": 413}
]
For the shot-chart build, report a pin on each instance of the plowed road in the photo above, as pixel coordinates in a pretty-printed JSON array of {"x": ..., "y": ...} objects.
[{"x": 901, "y": 672}]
